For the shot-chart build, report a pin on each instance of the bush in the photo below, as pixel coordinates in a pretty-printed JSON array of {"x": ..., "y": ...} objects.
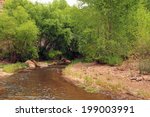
[
  {"x": 111, "y": 60},
  {"x": 144, "y": 66},
  {"x": 111, "y": 52},
  {"x": 11, "y": 68},
  {"x": 53, "y": 54}
]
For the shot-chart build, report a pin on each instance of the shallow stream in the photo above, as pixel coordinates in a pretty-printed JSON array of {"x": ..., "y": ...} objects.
[{"x": 46, "y": 83}]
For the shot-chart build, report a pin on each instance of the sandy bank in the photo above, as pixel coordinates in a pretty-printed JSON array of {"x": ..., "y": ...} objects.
[
  {"x": 4, "y": 74},
  {"x": 123, "y": 81}
]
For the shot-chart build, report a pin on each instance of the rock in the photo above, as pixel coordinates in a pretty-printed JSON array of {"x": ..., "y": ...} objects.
[
  {"x": 31, "y": 64},
  {"x": 146, "y": 78},
  {"x": 36, "y": 63},
  {"x": 42, "y": 64},
  {"x": 66, "y": 61},
  {"x": 139, "y": 79},
  {"x": 133, "y": 78}
]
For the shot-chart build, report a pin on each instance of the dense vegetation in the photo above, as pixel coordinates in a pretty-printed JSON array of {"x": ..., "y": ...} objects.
[{"x": 106, "y": 31}]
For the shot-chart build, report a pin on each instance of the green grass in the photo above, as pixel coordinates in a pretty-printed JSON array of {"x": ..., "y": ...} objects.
[
  {"x": 110, "y": 60},
  {"x": 143, "y": 93},
  {"x": 91, "y": 89},
  {"x": 88, "y": 81},
  {"x": 1, "y": 65},
  {"x": 11, "y": 68},
  {"x": 110, "y": 86},
  {"x": 76, "y": 61}
]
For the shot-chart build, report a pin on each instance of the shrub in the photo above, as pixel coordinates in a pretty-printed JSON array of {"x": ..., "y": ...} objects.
[
  {"x": 111, "y": 60},
  {"x": 110, "y": 52},
  {"x": 76, "y": 61},
  {"x": 53, "y": 54},
  {"x": 144, "y": 66},
  {"x": 11, "y": 68}
]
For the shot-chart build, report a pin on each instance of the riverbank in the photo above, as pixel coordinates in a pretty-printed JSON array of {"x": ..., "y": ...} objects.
[
  {"x": 122, "y": 82},
  {"x": 4, "y": 74},
  {"x": 7, "y": 69}
]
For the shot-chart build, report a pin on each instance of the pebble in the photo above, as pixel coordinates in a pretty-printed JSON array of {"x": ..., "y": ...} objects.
[
  {"x": 139, "y": 79},
  {"x": 133, "y": 78}
]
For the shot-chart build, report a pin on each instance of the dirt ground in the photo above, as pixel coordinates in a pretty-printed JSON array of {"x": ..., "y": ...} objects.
[{"x": 124, "y": 80}]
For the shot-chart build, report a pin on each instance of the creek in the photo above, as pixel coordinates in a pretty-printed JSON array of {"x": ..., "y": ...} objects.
[{"x": 44, "y": 84}]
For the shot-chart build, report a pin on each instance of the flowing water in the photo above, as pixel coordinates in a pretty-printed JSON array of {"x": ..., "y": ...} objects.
[{"x": 46, "y": 83}]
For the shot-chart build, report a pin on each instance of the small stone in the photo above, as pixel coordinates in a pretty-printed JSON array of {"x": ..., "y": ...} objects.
[
  {"x": 146, "y": 78},
  {"x": 139, "y": 79},
  {"x": 133, "y": 78}
]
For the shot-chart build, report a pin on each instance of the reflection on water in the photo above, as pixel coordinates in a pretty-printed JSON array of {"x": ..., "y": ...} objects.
[{"x": 44, "y": 83}]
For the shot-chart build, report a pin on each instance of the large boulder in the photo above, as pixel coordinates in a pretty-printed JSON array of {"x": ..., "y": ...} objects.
[
  {"x": 31, "y": 64},
  {"x": 36, "y": 63}
]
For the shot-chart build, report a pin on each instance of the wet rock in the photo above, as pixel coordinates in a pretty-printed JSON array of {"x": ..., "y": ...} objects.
[{"x": 31, "y": 64}]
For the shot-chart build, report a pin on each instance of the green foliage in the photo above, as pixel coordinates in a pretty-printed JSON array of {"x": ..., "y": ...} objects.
[
  {"x": 11, "y": 68},
  {"x": 26, "y": 37},
  {"x": 55, "y": 27},
  {"x": 112, "y": 30},
  {"x": 143, "y": 32},
  {"x": 53, "y": 54},
  {"x": 20, "y": 14},
  {"x": 19, "y": 32},
  {"x": 7, "y": 25},
  {"x": 76, "y": 61},
  {"x": 111, "y": 60}
]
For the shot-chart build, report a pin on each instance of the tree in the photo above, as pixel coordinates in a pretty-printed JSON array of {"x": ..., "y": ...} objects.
[
  {"x": 7, "y": 34},
  {"x": 111, "y": 23},
  {"x": 20, "y": 32},
  {"x": 142, "y": 33},
  {"x": 55, "y": 28}
]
